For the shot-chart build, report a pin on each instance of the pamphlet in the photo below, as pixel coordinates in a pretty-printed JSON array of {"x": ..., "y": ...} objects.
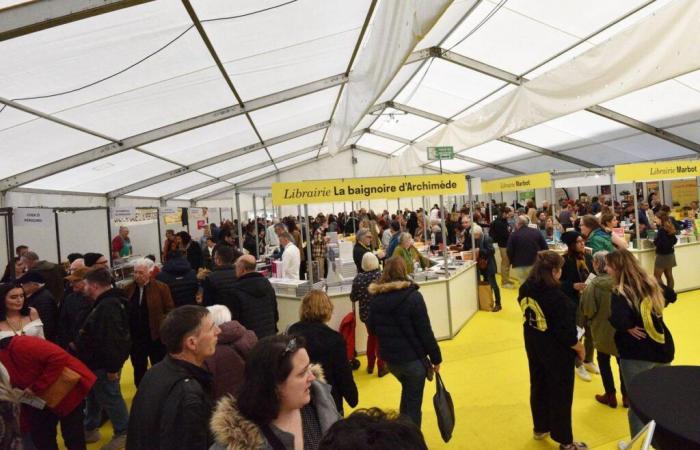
[{"x": 580, "y": 331}]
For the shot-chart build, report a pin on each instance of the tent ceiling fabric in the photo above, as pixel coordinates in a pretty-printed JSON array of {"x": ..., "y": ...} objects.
[{"x": 141, "y": 75}]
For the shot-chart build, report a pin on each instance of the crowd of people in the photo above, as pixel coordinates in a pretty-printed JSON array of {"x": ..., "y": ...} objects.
[{"x": 212, "y": 370}]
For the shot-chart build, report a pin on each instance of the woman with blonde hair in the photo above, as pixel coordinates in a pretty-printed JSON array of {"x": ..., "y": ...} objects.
[
  {"x": 326, "y": 346},
  {"x": 637, "y": 303}
]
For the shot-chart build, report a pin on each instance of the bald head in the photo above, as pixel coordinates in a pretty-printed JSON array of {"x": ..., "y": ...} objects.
[{"x": 245, "y": 264}]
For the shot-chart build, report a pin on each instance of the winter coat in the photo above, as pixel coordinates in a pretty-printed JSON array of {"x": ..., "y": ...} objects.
[
  {"x": 327, "y": 348},
  {"x": 500, "y": 232},
  {"x": 181, "y": 280},
  {"x": 54, "y": 276},
  {"x": 487, "y": 251},
  {"x": 36, "y": 364},
  {"x": 411, "y": 256},
  {"x": 254, "y": 304},
  {"x": 393, "y": 243},
  {"x": 595, "y": 304},
  {"x": 233, "y": 431},
  {"x": 599, "y": 240},
  {"x": 158, "y": 301},
  {"x": 664, "y": 242},
  {"x": 171, "y": 409},
  {"x": 71, "y": 316},
  {"x": 399, "y": 318},
  {"x": 227, "y": 365},
  {"x": 570, "y": 275},
  {"x": 550, "y": 318},
  {"x": 219, "y": 284},
  {"x": 104, "y": 340},
  {"x": 523, "y": 246},
  {"x": 624, "y": 316},
  {"x": 359, "y": 291},
  {"x": 45, "y": 304},
  {"x": 194, "y": 255},
  {"x": 358, "y": 252}
]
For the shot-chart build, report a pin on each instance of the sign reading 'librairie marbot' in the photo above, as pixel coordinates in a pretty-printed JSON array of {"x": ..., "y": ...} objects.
[
  {"x": 519, "y": 183},
  {"x": 339, "y": 190},
  {"x": 661, "y": 170}
]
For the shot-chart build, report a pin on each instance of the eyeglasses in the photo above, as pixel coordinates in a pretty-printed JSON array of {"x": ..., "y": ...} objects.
[{"x": 290, "y": 348}]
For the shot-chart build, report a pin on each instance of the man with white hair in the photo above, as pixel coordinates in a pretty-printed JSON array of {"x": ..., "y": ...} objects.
[
  {"x": 523, "y": 245},
  {"x": 149, "y": 302},
  {"x": 271, "y": 239},
  {"x": 291, "y": 258}
]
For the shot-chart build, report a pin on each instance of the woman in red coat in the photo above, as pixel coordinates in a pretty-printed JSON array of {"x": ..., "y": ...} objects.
[{"x": 39, "y": 366}]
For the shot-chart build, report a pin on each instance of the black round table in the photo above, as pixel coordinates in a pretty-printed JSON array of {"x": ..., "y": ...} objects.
[{"x": 671, "y": 397}]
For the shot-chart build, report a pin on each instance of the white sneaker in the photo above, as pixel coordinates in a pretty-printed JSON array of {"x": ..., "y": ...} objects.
[
  {"x": 622, "y": 445},
  {"x": 592, "y": 367},
  {"x": 583, "y": 373},
  {"x": 118, "y": 442},
  {"x": 509, "y": 286},
  {"x": 540, "y": 436},
  {"x": 92, "y": 436}
]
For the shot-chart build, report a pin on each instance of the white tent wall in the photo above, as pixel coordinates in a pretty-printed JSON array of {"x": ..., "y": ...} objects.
[
  {"x": 34, "y": 200},
  {"x": 3, "y": 244},
  {"x": 83, "y": 231},
  {"x": 39, "y": 237}
]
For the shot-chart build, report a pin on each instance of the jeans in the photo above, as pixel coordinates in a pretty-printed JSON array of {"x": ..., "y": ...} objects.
[
  {"x": 630, "y": 369},
  {"x": 43, "y": 424},
  {"x": 106, "y": 395},
  {"x": 521, "y": 273},
  {"x": 373, "y": 351},
  {"x": 607, "y": 375},
  {"x": 505, "y": 266},
  {"x": 491, "y": 278},
  {"x": 141, "y": 352},
  {"x": 411, "y": 375}
]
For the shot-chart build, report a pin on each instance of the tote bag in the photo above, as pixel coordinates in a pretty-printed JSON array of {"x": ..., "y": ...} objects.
[{"x": 444, "y": 409}]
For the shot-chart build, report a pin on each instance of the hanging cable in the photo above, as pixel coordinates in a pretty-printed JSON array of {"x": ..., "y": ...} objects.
[{"x": 147, "y": 57}]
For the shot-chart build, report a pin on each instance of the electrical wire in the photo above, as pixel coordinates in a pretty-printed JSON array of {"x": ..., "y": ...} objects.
[{"x": 147, "y": 57}]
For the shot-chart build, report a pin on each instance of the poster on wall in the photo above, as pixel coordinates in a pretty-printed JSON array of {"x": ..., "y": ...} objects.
[
  {"x": 32, "y": 216},
  {"x": 684, "y": 192},
  {"x": 526, "y": 195},
  {"x": 172, "y": 216},
  {"x": 125, "y": 216}
]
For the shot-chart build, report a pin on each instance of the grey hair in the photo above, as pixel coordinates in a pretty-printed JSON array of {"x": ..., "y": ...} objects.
[
  {"x": 144, "y": 262},
  {"x": 476, "y": 229},
  {"x": 288, "y": 237},
  {"x": 599, "y": 257},
  {"x": 361, "y": 233},
  {"x": 404, "y": 236},
  {"x": 220, "y": 314},
  {"x": 369, "y": 262},
  {"x": 523, "y": 220}
]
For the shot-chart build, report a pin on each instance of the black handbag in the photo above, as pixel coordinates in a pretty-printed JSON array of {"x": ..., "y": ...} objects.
[{"x": 444, "y": 409}]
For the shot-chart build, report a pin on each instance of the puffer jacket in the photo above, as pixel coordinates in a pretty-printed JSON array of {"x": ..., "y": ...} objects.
[
  {"x": 399, "y": 318},
  {"x": 595, "y": 304},
  {"x": 254, "y": 304},
  {"x": 599, "y": 240},
  {"x": 227, "y": 365},
  {"x": 181, "y": 279},
  {"x": 232, "y": 431},
  {"x": 219, "y": 284}
]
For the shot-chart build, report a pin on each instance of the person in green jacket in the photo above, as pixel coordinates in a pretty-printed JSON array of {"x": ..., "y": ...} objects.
[
  {"x": 596, "y": 238},
  {"x": 409, "y": 253},
  {"x": 595, "y": 304}
]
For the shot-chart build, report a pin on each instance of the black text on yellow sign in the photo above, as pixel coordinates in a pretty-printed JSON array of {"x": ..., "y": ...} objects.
[
  {"x": 338, "y": 190},
  {"x": 517, "y": 183},
  {"x": 660, "y": 170}
]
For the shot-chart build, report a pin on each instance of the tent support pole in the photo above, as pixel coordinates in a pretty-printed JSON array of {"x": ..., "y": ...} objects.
[
  {"x": 240, "y": 224},
  {"x": 471, "y": 217},
  {"x": 636, "y": 216},
  {"x": 255, "y": 225},
  {"x": 58, "y": 237}
]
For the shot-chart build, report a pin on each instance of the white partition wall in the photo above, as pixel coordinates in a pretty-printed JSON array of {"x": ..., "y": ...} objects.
[
  {"x": 39, "y": 235},
  {"x": 83, "y": 231}
]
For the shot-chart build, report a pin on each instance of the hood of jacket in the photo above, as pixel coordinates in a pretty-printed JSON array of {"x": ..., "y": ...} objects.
[
  {"x": 390, "y": 295},
  {"x": 236, "y": 432},
  {"x": 231, "y": 332},
  {"x": 603, "y": 281},
  {"x": 177, "y": 266}
]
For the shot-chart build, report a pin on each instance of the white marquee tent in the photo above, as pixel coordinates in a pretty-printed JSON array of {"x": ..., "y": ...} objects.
[{"x": 147, "y": 103}]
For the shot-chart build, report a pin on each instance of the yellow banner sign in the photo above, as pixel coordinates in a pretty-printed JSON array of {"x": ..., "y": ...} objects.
[
  {"x": 350, "y": 189},
  {"x": 661, "y": 170},
  {"x": 519, "y": 183}
]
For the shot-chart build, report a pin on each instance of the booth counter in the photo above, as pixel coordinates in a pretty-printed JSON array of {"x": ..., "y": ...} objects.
[
  {"x": 685, "y": 274},
  {"x": 451, "y": 302}
]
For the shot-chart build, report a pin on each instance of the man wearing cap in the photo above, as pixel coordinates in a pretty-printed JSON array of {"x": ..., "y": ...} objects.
[
  {"x": 74, "y": 308},
  {"x": 39, "y": 298},
  {"x": 149, "y": 302},
  {"x": 94, "y": 260},
  {"x": 51, "y": 274}
]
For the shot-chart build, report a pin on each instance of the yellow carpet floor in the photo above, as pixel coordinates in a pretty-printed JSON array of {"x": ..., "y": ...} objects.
[{"x": 485, "y": 370}]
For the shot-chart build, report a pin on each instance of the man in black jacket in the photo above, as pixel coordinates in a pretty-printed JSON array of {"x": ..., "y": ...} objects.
[
  {"x": 172, "y": 408},
  {"x": 523, "y": 246},
  {"x": 180, "y": 278},
  {"x": 253, "y": 302},
  {"x": 500, "y": 232},
  {"x": 219, "y": 283},
  {"x": 103, "y": 345},
  {"x": 40, "y": 298},
  {"x": 74, "y": 309}
]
